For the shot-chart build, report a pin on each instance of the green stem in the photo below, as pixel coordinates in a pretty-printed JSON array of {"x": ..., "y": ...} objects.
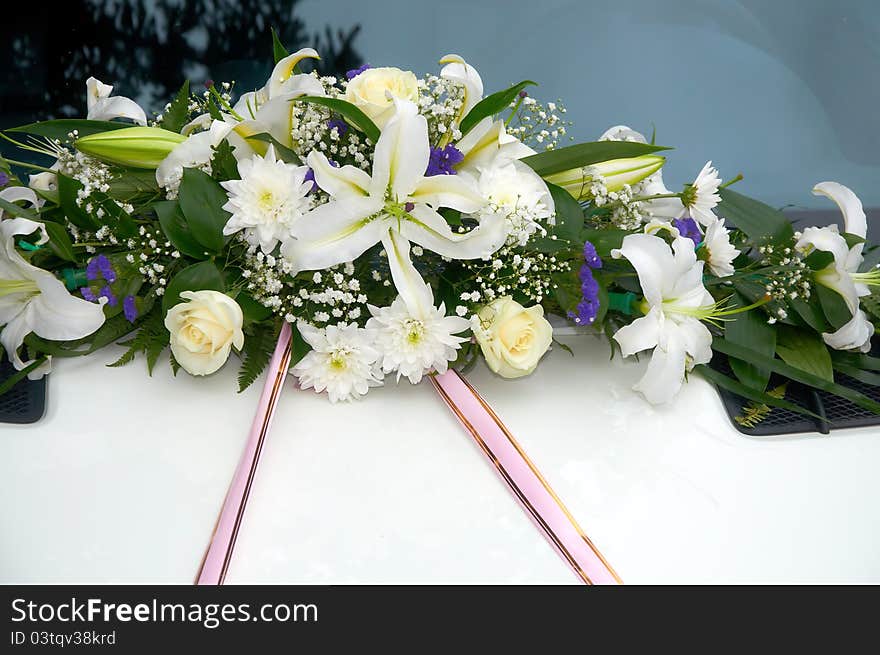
[
  {"x": 657, "y": 196},
  {"x": 224, "y": 103},
  {"x": 732, "y": 181},
  {"x": 25, "y": 164}
]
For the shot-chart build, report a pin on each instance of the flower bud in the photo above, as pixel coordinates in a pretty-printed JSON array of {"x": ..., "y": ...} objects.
[
  {"x": 136, "y": 147},
  {"x": 615, "y": 173}
]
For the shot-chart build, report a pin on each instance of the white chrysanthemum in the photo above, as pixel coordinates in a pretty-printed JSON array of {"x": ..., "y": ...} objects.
[
  {"x": 519, "y": 194},
  {"x": 414, "y": 345},
  {"x": 701, "y": 197},
  {"x": 268, "y": 200},
  {"x": 342, "y": 361},
  {"x": 721, "y": 252}
]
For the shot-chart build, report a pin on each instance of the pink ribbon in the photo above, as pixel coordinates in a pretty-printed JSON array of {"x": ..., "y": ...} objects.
[
  {"x": 525, "y": 481},
  {"x": 219, "y": 553}
]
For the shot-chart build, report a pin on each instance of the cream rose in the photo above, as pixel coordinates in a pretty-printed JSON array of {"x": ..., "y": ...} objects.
[
  {"x": 513, "y": 338},
  {"x": 369, "y": 92},
  {"x": 203, "y": 330}
]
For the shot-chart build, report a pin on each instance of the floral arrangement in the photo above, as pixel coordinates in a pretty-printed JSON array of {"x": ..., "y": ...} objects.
[{"x": 404, "y": 225}]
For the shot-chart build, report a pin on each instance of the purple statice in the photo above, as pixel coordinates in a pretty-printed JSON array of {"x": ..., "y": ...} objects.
[
  {"x": 310, "y": 177},
  {"x": 688, "y": 228},
  {"x": 129, "y": 308},
  {"x": 591, "y": 256},
  {"x": 88, "y": 294},
  {"x": 588, "y": 307},
  {"x": 444, "y": 160},
  {"x": 408, "y": 207},
  {"x": 100, "y": 267},
  {"x": 354, "y": 72},
  {"x": 4, "y": 179},
  {"x": 107, "y": 293},
  {"x": 340, "y": 125}
]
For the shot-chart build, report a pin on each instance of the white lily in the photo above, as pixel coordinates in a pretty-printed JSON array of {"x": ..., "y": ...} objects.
[
  {"x": 395, "y": 205},
  {"x": 675, "y": 301},
  {"x": 32, "y": 299},
  {"x": 102, "y": 107},
  {"x": 458, "y": 70},
  {"x": 486, "y": 143},
  {"x": 842, "y": 275}
]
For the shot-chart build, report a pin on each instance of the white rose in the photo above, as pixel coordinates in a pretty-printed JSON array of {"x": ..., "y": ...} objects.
[
  {"x": 203, "y": 330},
  {"x": 513, "y": 338},
  {"x": 369, "y": 92}
]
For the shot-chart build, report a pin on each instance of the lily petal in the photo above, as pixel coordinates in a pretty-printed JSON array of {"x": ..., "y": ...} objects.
[
  {"x": 665, "y": 373},
  {"x": 854, "y": 219},
  {"x": 430, "y": 230},
  {"x": 334, "y": 233},
  {"x": 284, "y": 69},
  {"x": 854, "y": 335},
  {"x": 653, "y": 261},
  {"x": 402, "y": 152},
  {"x": 458, "y": 70},
  {"x": 641, "y": 334},
  {"x": 345, "y": 182},
  {"x": 409, "y": 284},
  {"x": 448, "y": 191}
]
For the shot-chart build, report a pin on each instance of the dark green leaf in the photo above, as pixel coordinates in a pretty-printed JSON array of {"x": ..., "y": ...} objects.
[
  {"x": 796, "y": 374},
  {"x": 67, "y": 196},
  {"x": 584, "y": 154},
  {"x": 852, "y": 239},
  {"x": 223, "y": 164},
  {"x": 281, "y": 151},
  {"x": 751, "y": 329},
  {"x": 113, "y": 329},
  {"x": 201, "y": 201},
  {"x": 818, "y": 259},
  {"x": 253, "y": 311},
  {"x": 833, "y": 306},
  {"x": 865, "y": 362},
  {"x": 197, "y": 277},
  {"x": 491, "y": 105},
  {"x": 300, "y": 349},
  {"x": 805, "y": 350},
  {"x": 352, "y": 114},
  {"x": 177, "y": 230},
  {"x": 59, "y": 129},
  {"x": 569, "y": 215},
  {"x": 749, "y": 393},
  {"x": 279, "y": 52},
  {"x": 810, "y": 313},
  {"x": 856, "y": 373},
  {"x": 754, "y": 218},
  {"x": 256, "y": 353},
  {"x": 17, "y": 210},
  {"x": 59, "y": 241},
  {"x": 7, "y": 384},
  {"x": 604, "y": 240},
  {"x": 175, "y": 117}
]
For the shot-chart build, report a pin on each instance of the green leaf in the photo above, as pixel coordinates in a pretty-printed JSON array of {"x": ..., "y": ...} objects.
[
  {"x": 805, "y": 350},
  {"x": 177, "y": 230},
  {"x": 282, "y": 151},
  {"x": 59, "y": 129},
  {"x": 491, "y": 105},
  {"x": 754, "y": 218},
  {"x": 253, "y": 311},
  {"x": 197, "y": 277},
  {"x": 114, "y": 328},
  {"x": 175, "y": 117},
  {"x": 833, "y": 306},
  {"x": 584, "y": 154},
  {"x": 751, "y": 329},
  {"x": 67, "y": 196},
  {"x": 604, "y": 240},
  {"x": 569, "y": 215},
  {"x": 201, "y": 201},
  {"x": 59, "y": 241},
  {"x": 856, "y": 373},
  {"x": 300, "y": 348},
  {"x": 279, "y": 52},
  {"x": 810, "y": 313},
  {"x": 749, "y": 393},
  {"x": 223, "y": 163},
  {"x": 818, "y": 259},
  {"x": 256, "y": 353},
  {"x": 151, "y": 339},
  {"x": 352, "y": 114},
  {"x": 858, "y": 360},
  {"x": 852, "y": 239},
  {"x": 796, "y": 374},
  {"x": 17, "y": 210}
]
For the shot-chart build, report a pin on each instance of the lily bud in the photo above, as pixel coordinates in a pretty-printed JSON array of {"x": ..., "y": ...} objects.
[
  {"x": 615, "y": 173},
  {"x": 136, "y": 147}
]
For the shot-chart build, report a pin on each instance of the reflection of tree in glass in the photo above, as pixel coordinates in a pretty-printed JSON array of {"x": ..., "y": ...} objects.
[{"x": 146, "y": 48}]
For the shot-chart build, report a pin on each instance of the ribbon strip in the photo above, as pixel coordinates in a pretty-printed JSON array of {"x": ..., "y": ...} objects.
[
  {"x": 526, "y": 482},
  {"x": 219, "y": 553}
]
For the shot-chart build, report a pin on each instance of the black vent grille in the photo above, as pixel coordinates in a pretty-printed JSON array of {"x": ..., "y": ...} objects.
[{"x": 25, "y": 402}]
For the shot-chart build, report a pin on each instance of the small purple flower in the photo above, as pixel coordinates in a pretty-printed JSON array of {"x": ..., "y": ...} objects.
[
  {"x": 523, "y": 94},
  {"x": 4, "y": 179},
  {"x": 688, "y": 228},
  {"x": 354, "y": 72},
  {"x": 310, "y": 177},
  {"x": 587, "y": 311},
  {"x": 591, "y": 256},
  {"x": 88, "y": 294},
  {"x": 408, "y": 207},
  {"x": 100, "y": 267},
  {"x": 588, "y": 307},
  {"x": 340, "y": 125},
  {"x": 589, "y": 287},
  {"x": 108, "y": 294},
  {"x": 444, "y": 160},
  {"x": 129, "y": 308}
]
